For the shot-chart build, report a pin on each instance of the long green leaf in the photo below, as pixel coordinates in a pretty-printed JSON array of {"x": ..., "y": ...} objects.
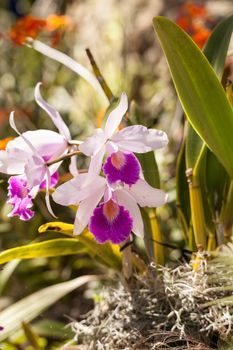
[
  {"x": 53, "y": 247},
  {"x": 201, "y": 94},
  {"x": 107, "y": 254},
  {"x": 32, "y": 306}
]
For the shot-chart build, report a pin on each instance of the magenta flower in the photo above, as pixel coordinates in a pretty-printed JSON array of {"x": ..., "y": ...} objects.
[
  {"x": 135, "y": 138},
  {"x": 27, "y": 155},
  {"x": 19, "y": 198},
  {"x": 122, "y": 167},
  {"x": 111, "y": 213}
]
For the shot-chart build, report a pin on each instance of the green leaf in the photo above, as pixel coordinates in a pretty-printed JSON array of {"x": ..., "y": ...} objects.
[
  {"x": 217, "y": 45},
  {"x": 201, "y": 94},
  {"x": 32, "y": 306},
  {"x": 54, "y": 247},
  {"x": 6, "y": 273},
  {"x": 52, "y": 329},
  {"x": 107, "y": 254},
  {"x": 182, "y": 193}
]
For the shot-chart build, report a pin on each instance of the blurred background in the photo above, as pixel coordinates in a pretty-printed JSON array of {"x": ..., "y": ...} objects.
[{"x": 121, "y": 38}]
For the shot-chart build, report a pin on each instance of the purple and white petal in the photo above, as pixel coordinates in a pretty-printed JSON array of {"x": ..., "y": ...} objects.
[
  {"x": 35, "y": 171},
  {"x": 146, "y": 195},
  {"x": 115, "y": 117},
  {"x": 111, "y": 222},
  {"x": 93, "y": 144},
  {"x": 124, "y": 198},
  {"x": 139, "y": 139},
  {"x": 122, "y": 166},
  {"x": 85, "y": 211},
  {"x": 53, "y": 113},
  {"x": 47, "y": 197},
  {"x": 53, "y": 181}
]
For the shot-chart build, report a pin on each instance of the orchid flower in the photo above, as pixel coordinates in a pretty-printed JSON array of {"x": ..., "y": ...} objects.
[
  {"x": 27, "y": 155},
  {"x": 121, "y": 143},
  {"x": 117, "y": 214}
]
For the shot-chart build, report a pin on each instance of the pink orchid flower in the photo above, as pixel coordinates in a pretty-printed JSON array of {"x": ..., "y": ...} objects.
[
  {"x": 26, "y": 157},
  {"x": 121, "y": 143},
  {"x": 117, "y": 215}
]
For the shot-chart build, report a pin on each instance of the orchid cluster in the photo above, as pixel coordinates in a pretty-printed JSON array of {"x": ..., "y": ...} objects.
[{"x": 108, "y": 196}]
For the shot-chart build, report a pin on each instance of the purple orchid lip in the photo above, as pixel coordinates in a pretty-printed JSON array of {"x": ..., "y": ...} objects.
[
  {"x": 122, "y": 166},
  {"x": 111, "y": 222},
  {"x": 19, "y": 198}
]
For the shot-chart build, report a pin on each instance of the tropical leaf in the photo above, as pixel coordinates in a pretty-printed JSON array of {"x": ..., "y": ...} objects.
[
  {"x": 33, "y": 305},
  {"x": 201, "y": 94},
  {"x": 54, "y": 247},
  {"x": 107, "y": 254}
]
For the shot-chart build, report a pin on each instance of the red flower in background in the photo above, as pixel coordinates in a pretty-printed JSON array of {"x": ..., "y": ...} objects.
[
  {"x": 193, "y": 18},
  {"x": 30, "y": 27}
]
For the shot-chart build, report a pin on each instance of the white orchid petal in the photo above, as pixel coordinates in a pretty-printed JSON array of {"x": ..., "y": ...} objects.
[
  {"x": 35, "y": 171},
  {"x": 47, "y": 198},
  {"x": 70, "y": 63},
  {"x": 129, "y": 203},
  {"x": 139, "y": 139},
  {"x": 95, "y": 165},
  {"x": 12, "y": 124},
  {"x": 146, "y": 195},
  {"x": 85, "y": 211},
  {"x": 73, "y": 166},
  {"x": 76, "y": 190},
  {"x": 11, "y": 165},
  {"x": 115, "y": 117},
  {"x": 111, "y": 147},
  {"x": 93, "y": 144},
  {"x": 53, "y": 113}
]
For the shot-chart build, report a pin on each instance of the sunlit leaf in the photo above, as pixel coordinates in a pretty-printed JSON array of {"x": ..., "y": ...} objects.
[
  {"x": 201, "y": 94},
  {"x": 107, "y": 254},
  {"x": 54, "y": 247}
]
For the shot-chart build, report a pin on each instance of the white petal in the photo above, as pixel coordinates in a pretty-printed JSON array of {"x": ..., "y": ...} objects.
[
  {"x": 76, "y": 190},
  {"x": 47, "y": 198},
  {"x": 70, "y": 63},
  {"x": 115, "y": 117},
  {"x": 73, "y": 166},
  {"x": 129, "y": 203},
  {"x": 28, "y": 143},
  {"x": 53, "y": 113},
  {"x": 11, "y": 165},
  {"x": 146, "y": 195},
  {"x": 35, "y": 171},
  {"x": 85, "y": 211},
  {"x": 139, "y": 139},
  {"x": 48, "y": 144},
  {"x": 94, "y": 143},
  {"x": 95, "y": 165}
]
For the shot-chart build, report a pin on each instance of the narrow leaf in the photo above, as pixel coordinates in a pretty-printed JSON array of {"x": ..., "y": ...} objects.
[
  {"x": 107, "y": 254},
  {"x": 201, "y": 94},
  {"x": 32, "y": 306},
  {"x": 54, "y": 247}
]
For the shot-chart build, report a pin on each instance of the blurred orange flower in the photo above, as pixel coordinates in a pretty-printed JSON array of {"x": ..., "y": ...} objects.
[
  {"x": 4, "y": 142},
  {"x": 193, "y": 19},
  {"x": 27, "y": 26},
  {"x": 30, "y": 26}
]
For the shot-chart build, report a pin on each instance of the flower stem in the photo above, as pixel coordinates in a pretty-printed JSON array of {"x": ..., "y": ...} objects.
[
  {"x": 100, "y": 77},
  {"x": 65, "y": 156},
  {"x": 197, "y": 210}
]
